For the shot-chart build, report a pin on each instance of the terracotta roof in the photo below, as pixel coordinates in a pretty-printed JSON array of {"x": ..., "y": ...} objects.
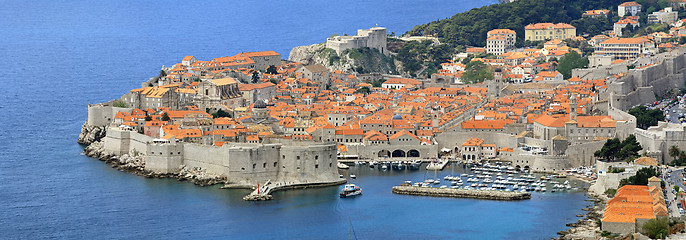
[
  {"x": 549, "y": 26},
  {"x": 224, "y": 81},
  {"x": 646, "y": 161}
]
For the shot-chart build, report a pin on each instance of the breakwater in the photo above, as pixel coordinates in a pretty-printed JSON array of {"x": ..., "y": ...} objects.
[{"x": 461, "y": 193}]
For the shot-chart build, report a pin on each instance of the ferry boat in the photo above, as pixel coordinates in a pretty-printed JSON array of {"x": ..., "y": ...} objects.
[{"x": 350, "y": 190}]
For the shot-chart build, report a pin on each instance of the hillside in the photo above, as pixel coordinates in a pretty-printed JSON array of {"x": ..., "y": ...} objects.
[{"x": 470, "y": 28}]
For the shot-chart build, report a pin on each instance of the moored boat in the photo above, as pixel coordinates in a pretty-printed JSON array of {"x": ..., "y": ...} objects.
[{"x": 350, "y": 190}]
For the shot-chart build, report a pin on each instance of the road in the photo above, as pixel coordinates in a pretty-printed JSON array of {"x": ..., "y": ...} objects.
[{"x": 675, "y": 178}]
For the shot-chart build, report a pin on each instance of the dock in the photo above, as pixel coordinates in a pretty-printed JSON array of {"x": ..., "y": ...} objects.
[
  {"x": 263, "y": 192},
  {"x": 462, "y": 193},
  {"x": 439, "y": 165}
]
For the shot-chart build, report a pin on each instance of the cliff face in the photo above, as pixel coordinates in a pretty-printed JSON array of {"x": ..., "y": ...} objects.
[
  {"x": 363, "y": 60},
  {"x": 90, "y": 134}
]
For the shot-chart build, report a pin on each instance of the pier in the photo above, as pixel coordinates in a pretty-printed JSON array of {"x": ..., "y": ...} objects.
[
  {"x": 438, "y": 165},
  {"x": 461, "y": 193},
  {"x": 263, "y": 192}
]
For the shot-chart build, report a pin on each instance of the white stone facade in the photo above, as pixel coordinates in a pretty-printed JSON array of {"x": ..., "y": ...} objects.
[{"x": 374, "y": 38}]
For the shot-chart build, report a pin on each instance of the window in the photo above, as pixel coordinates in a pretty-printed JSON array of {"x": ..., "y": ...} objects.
[
  {"x": 297, "y": 157},
  {"x": 254, "y": 165},
  {"x": 264, "y": 165}
]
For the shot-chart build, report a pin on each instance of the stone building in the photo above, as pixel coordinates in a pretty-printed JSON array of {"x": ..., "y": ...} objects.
[
  {"x": 215, "y": 92},
  {"x": 619, "y": 26},
  {"x": 633, "y": 206},
  {"x": 153, "y": 97},
  {"x": 547, "y": 31},
  {"x": 260, "y": 91},
  {"x": 628, "y": 9},
  {"x": 666, "y": 15},
  {"x": 374, "y": 38},
  {"x": 315, "y": 72},
  {"x": 500, "y": 40},
  {"x": 625, "y": 48}
]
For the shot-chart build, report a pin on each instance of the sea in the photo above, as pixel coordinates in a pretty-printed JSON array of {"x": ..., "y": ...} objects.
[{"x": 58, "y": 56}]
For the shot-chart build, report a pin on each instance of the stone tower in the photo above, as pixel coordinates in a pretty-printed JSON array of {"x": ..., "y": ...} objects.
[{"x": 495, "y": 85}]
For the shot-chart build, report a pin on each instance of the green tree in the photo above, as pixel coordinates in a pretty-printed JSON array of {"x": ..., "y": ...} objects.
[
  {"x": 148, "y": 118},
  {"x": 630, "y": 148},
  {"x": 255, "y": 77},
  {"x": 165, "y": 117},
  {"x": 616, "y": 150},
  {"x": 609, "y": 150},
  {"x": 120, "y": 104},
  {"x": 272, "y": 69},
  {"x": 220, "y": 114},
  {"x": 476, "y": 72},
  {"x": 657, "y": 228},
  {"x": 674, "y": 152},
  {"x": 162, "y": 73},
  {"x": 363, "y": 90},
  {"x": 641, "y": 177},
  {"x": 571, "y": 61},
  {"x": 646, "y": 117}
]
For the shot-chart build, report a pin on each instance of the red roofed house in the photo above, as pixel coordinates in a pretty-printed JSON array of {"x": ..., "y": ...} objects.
[
  {"x": 398, "y": 83},
  {"x": 628, "y": 8}
]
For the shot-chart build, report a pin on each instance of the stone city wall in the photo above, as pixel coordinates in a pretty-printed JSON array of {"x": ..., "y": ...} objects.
[
  {"x": 121, "y": 142},
  {"x": 102, "y": 114}
]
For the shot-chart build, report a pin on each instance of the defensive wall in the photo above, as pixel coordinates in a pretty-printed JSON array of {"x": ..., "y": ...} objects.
[
  {"x": 641, "y": 85},
  {"x": 281, "y": 163},
  {"x": 102, "y": 114}
]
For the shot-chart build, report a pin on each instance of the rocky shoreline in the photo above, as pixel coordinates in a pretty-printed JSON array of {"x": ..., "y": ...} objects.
[
  {"x": 588, "y": 227},
  {"x": 134, "y": 162}
]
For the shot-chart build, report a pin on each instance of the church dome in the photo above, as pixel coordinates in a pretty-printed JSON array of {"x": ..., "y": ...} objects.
[
  {"x": 397, "y": 117},
  {"x": 260, "y": 104}
]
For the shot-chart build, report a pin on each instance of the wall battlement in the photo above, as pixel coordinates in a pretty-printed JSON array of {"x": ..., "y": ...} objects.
[{"x": 240, "y": 163}]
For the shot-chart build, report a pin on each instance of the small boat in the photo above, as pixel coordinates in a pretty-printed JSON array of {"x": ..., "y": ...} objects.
[
  {"x": 350, "y": 190},
  {"x": 353, "y": 176},
  {"x": 343, "y": 166}
]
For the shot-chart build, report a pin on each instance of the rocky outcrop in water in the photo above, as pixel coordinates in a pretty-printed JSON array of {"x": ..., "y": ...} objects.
[
  {"x": 90, "y": 134},
  {"x": 134, "y": 162}
]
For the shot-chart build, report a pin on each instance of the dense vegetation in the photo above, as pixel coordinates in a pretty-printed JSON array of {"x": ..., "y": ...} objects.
[
  {"x": 476, "y": 72},
  {"x": 679, "y": 156},
  {"x": 646, "y": 117},
  {"x": 571, "y": 61},
  {"x": 470, "y": 28},
  {"x": 616, "y": 150},
  {"x": 641, "y": 177},
  {"x": 120, "y": 104},
  {"x": 424, "y": 57}
]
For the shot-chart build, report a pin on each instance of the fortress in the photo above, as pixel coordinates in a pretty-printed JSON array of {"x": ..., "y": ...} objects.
[
  {"x": 243, "y": 164},
  {"x": 374, "y": 38},
  {"x": 280, "y": 161}
]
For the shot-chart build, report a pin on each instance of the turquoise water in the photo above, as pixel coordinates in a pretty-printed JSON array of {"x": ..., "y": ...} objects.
[{"x": 58, "y": 56}]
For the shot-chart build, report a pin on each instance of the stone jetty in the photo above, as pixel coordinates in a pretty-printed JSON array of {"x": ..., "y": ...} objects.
[
  {"x": 438, "y": 165},
  {"x": 461, "y": 193}
]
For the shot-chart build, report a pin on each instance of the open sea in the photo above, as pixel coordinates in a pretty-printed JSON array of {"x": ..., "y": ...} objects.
[{"x": 58, "y": 56}]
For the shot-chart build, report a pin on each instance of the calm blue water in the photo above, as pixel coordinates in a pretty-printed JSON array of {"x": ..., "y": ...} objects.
[{"x": 57, "y": 56}]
